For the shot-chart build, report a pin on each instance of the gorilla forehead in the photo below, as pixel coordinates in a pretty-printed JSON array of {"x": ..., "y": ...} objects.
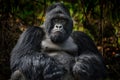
[{"x": 58, "y": 8}]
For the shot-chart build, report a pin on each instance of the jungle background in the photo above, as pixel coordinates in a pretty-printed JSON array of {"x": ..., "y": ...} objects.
[{"x": 100, "y": 19}]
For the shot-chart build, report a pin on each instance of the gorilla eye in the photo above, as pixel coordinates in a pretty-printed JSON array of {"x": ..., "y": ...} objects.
[
  {"x": 56, "y": 20},
  {"x": 63, "y": 21}
]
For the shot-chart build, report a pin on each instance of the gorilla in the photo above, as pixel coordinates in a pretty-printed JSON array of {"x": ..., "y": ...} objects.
[{"x": 56, "y": 52}]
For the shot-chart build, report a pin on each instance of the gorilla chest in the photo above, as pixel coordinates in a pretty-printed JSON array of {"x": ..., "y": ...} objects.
[{"x": 62, "y": 52}]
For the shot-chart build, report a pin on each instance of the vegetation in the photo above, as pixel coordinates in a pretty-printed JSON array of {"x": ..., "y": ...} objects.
[{"x": 98, "y": 18}]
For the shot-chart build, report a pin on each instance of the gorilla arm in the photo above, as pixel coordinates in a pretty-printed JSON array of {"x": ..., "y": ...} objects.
[
  {"x": 28, "y": 60},
  {"x": 89, "y": 63},
  {"x": 37, "y": 67}
]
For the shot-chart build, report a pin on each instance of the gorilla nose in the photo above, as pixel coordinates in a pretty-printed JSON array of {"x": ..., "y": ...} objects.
[{"x": 58, "y": 26}]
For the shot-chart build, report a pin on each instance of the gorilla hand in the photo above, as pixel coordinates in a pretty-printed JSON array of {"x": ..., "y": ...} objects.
[
  {"x": 53, "y": 71},
  {"x": 85, "y": 67}
]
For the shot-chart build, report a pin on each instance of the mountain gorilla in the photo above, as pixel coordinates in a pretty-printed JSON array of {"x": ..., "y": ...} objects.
[{"x": 54, "y": 52}]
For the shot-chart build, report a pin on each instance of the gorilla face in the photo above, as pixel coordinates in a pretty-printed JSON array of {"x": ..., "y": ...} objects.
[
  {"x": 58, "y": 24},
  {"x": 58, "y": 32}
]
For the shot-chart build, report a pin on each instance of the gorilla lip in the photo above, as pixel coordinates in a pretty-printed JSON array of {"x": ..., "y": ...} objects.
[{"x": 56, "y": 30}]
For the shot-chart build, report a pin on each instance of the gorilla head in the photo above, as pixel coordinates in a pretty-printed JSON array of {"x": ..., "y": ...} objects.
[{"x": 58, "y": 23}]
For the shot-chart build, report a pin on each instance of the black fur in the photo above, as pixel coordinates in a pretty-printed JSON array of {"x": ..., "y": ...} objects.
[
  {"x": 29, "y": 60},
  {"x": 73, "y": 56}
]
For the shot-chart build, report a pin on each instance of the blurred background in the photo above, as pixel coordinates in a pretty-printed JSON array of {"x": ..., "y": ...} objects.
[{"x": 100, "y": 19}]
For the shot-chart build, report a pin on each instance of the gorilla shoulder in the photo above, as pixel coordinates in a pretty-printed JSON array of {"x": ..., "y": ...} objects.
[{"x": 84, "y": 42}]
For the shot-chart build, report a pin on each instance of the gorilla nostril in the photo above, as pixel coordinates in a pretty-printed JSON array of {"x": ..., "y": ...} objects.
[
  {"x": 57, "y": 27},
  {"x": 60, "y": 26}
]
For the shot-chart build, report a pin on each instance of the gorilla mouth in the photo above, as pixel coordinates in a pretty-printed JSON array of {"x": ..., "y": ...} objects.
[
  {"x": 55, "y": 30},
  {"x": 58, "y": 33},
  {"x": 57, "y": 37}
]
